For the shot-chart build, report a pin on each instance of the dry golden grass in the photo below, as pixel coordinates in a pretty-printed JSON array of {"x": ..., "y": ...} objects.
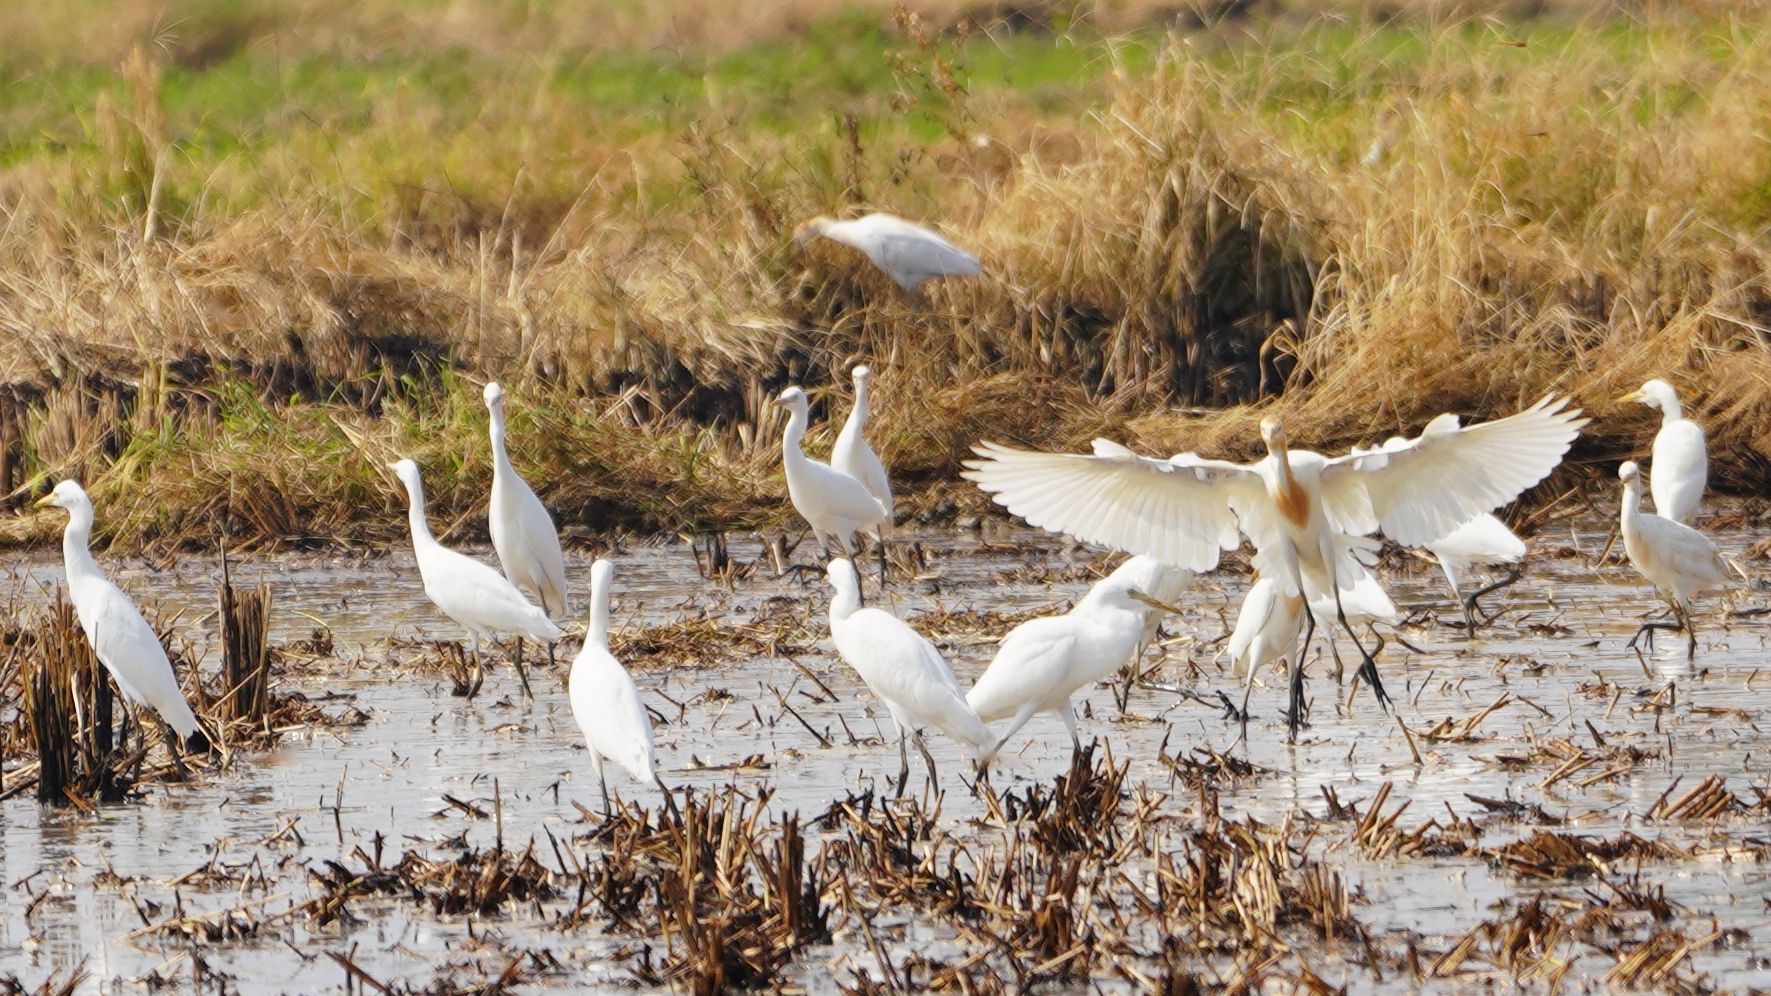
[{"x": 1361, "y": 224}]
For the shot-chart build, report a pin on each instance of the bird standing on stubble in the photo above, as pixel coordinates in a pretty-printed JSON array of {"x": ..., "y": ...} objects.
[
  {"x": 1680, "y": 467},
  {"x": 121, "y": 639},
  {"x": 854, "y": 457},
  {"x": 833, "y": 503},
  {"x": 1680, "y": 561},
  {"x": 523, "y": 533},
  {"x": 482, "y": 600}
]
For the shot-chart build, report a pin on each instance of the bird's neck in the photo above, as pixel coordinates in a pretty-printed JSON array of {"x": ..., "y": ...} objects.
[
  {"x": 859, "y": 417},
  {"x": 1292, "y": 499},
  {"x": 794, "y": 437},
  {"x": 76, "y": 545},
  {"x": 844, "y": 604},
  {"x": 598, "y": 633},
  {"x": 1671, "y": 411},
  {"x": 500, "y": 456},
  {"x": 1632, "y": 504},
  {"x": 421, "y": 536}
]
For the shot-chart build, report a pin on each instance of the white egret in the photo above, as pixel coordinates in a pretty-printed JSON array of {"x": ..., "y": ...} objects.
[
  {"x": 1680, "y": 561},
  {"x": 1307, "y": 515},
  {"x": 523, "y": 534},
  {"x": 1042, "y": 662},
  {"x": 833, "y": 503},
  {"x": 904, "y": 671},
  {"x": 908, "y": 253},
  {"x": 854, "y": 457},
  {"x": 1268, "y": 624},
  {"x": 605, "y": 701},
  {"x": 1680, "y": 455},
  {"x": 121, "y": 639},
  {"x": 482, "y": 600},
  {"x": 1482, "y": 541}
]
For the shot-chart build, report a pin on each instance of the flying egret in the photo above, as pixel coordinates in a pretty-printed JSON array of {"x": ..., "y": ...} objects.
[
  {"x": 482, "y": 600},
  {"x": 904, "y": 671},
  {"x": 1484, "y": 540},
  {"x": 1681, "y": 457},
  {"x": 833, "y": 503},
  {"x": 605, "y": 701},
  {"x": 1680, "y": 561},
  {"x": 854, "y": 457},
  {"x": 1307, "y": 515},
  {"x": 910, "y": 254},
  {"x": 121, "y": 639},
  {"x": 1042, "y": 662},
  {"x": 523, "y": 534}
]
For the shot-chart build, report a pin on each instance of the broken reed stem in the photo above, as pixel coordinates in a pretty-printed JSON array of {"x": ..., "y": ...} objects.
[
  {"x": 245, "y": 648},
  {"x": 64, "y": 684}
]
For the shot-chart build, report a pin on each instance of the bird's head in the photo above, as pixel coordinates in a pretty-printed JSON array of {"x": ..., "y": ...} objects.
[
  {"x": 406, "y": 471},
  {"x": 1655, "y": 394},
  {"x": 1629, "y": 473},
  {"x": 494, "y": 395},
  {"x": 794, "y": 399},
  {"x": 810, "y": 230},
  {"x": 862, "y": 374},
  {"x": 843, "y": 577},
  {"x": 68, "y": 494},
  {"x": 1273, "y": 432},
  {"x": 602, "y": 575}
]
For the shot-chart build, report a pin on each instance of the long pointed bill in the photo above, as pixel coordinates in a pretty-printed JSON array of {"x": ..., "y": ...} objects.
[
  {"x": 1154, "y": 603},
  {"x": 46, "y": 501}
]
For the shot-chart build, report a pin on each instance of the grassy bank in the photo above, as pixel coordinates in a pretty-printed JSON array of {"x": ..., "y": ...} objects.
[{"x": 253, "y": 250}]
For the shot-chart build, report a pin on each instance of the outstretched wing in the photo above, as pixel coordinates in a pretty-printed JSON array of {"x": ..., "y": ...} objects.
[
  {"x": 1177, "y": 511},
  {"x": 1423, "y": 488}
]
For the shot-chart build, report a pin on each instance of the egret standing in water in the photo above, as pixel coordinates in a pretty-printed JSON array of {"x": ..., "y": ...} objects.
[
  {"x": 903, "y": 670},
  {"x": 1680, "y": 561},
  {"x": 523, "y": 534},
  {"x": 605, "y": 701},
  {"x": 121, "y": 639},
  {"x": 833, "y": 503},
  {"x": 1267, "y": 628},
  {"x": 852, "y": 456},
  {"x": 1307, "y": 515},
  {"x": 482, "y": 600},
  {"x": 1484, "y": 540},
  {"x": 1681, "y": 456},
  {"x": 1043, "y": 662},
  {"x": 908, "y": 253}
]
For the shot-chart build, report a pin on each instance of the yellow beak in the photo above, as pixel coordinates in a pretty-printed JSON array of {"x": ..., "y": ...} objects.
[
  {"x": 44, "y": 502},
  {"x": 1632, "y": 396},
  {"x": 1138, "y": 596}
]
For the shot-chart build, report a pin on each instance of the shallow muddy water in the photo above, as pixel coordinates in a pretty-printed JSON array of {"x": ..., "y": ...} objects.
[{"x": 83, "y": 890}]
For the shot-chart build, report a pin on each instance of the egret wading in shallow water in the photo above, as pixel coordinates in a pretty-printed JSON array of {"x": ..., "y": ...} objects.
[
  {"x": 121, "y": 639},
  {"x": 1681, "y": 462},
  {"x": 605, "y": 701},
  {"x": 1680, "y": 561},
  {"x": 1482, "y": 541},
  {"x": 482, "y": 600},
  {"x": 523, "y": 534},
  {"x": 833, "y": 503},
  {"x": 1043, "y": 662},
  {"x": 903, "y": 670},
  {"x": 852, "y": 456},
  {"x": 908, "y": 253},
  {"x": 1307, "y": 515}
]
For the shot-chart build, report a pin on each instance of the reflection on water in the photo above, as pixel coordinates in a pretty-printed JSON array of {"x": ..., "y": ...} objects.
[{"x": 87, "y": 882}]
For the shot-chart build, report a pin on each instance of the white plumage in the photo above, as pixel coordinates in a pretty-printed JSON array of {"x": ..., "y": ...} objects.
[
  {"x": 1680, "y": 561},
  {"x": 1042, "y": 662},
  {"x": 1307, "y": 515},
  {"x": 902, "y": 669},
  {"x": 605, "y": 701},
  {"x": 1162, "y": 582},
  {"x": 1680, "y": 470},
  {"x": 523, "y": 533},
  {"x": 854, "y": 457},
  {"x": 121, "y": 639},
  {"x": 1482, "y": 541},
  {"x": 908, "y": 253},
  {"x": 482, "y": 600},
  {"x": 833, "y": 503}
]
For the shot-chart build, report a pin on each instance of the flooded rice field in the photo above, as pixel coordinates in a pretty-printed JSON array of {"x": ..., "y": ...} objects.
[{"x": 1543, "y": 806}]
